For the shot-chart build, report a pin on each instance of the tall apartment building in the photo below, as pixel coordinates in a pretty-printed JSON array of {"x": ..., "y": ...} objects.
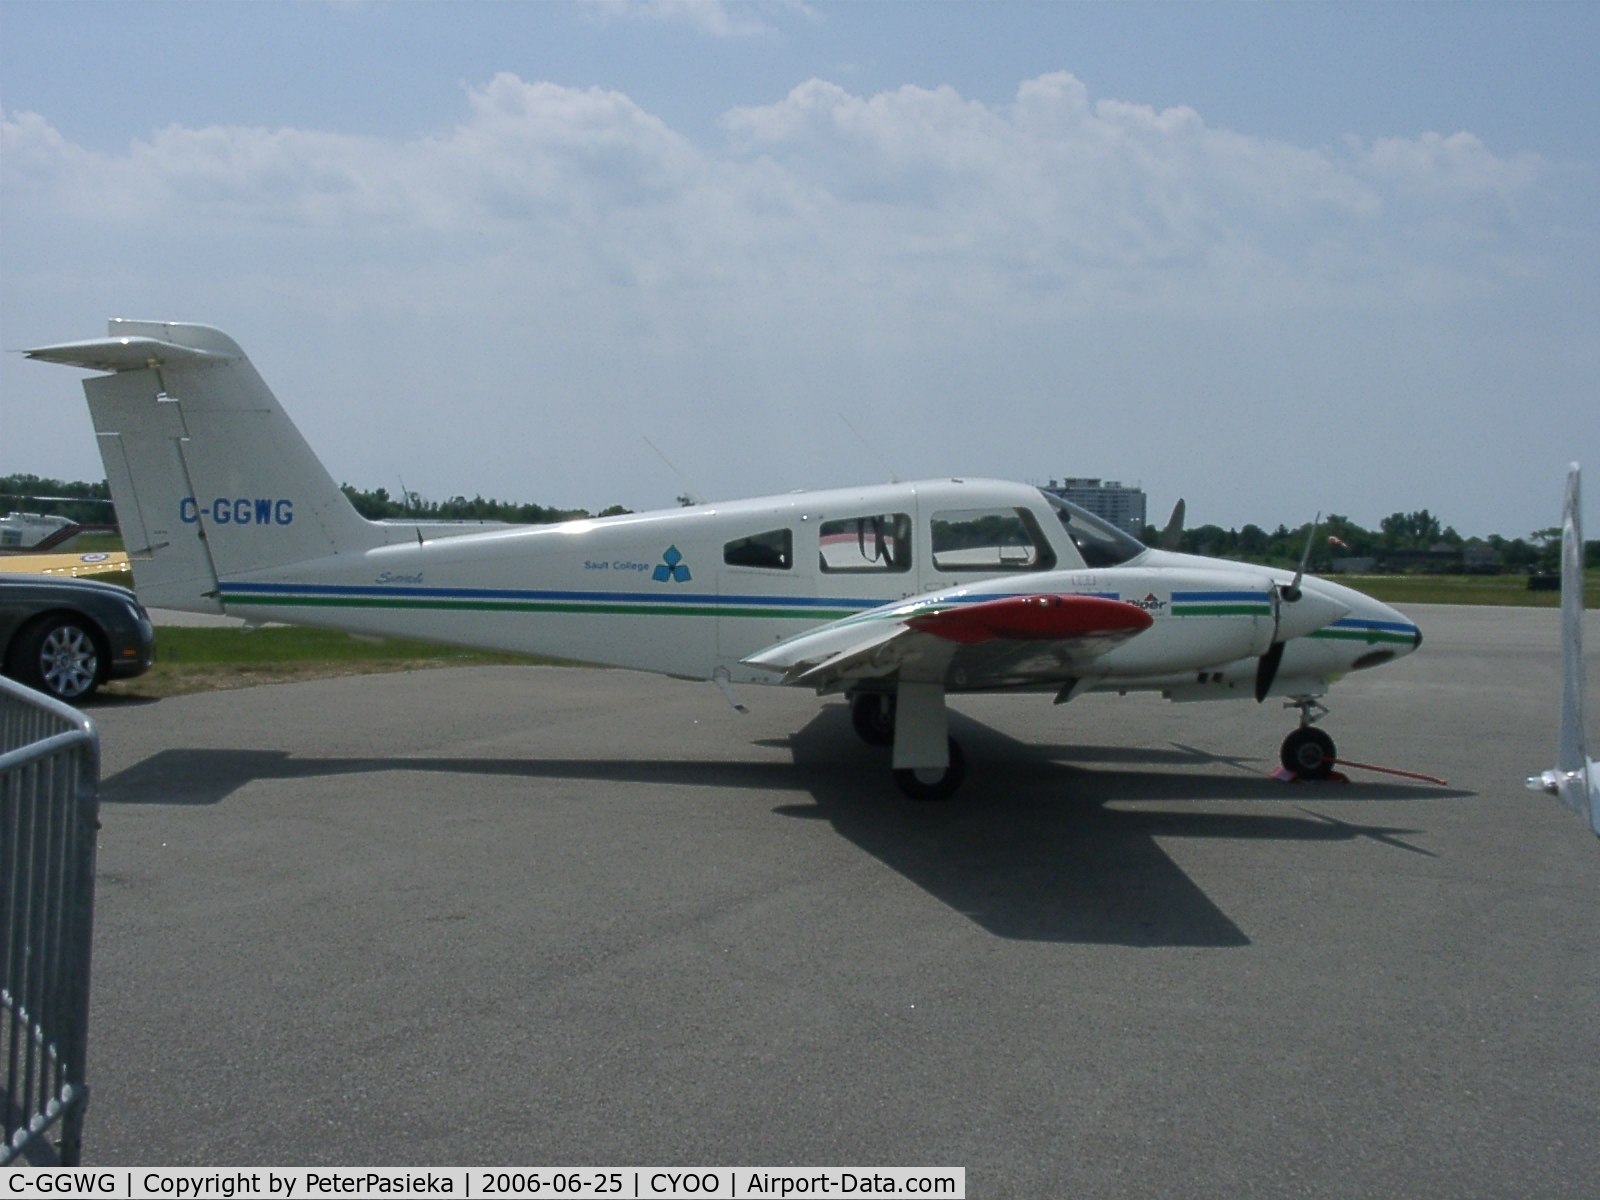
[{"x": 1124, "y": 507}]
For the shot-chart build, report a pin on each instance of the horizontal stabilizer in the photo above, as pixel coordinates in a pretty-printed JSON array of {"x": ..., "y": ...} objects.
[{"x": 126, "y": 354}]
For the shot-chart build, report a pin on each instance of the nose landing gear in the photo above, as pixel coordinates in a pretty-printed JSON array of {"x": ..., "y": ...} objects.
[{"x": 1308, "y": 752}]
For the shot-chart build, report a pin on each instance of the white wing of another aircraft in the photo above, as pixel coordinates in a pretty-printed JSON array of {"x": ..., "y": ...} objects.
[{"x": 1576, "y": 778}]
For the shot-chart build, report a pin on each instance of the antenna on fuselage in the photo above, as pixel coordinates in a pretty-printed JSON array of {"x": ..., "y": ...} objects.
[
  {"x": 893, "y": 478},
  {"x": 690, "y": 496},
  {"x": 410, "y": 507}
]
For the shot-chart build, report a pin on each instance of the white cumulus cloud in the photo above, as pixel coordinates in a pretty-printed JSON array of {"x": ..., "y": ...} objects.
[
  {"x": 912, "y": 245},
  {"x": 1052, "y": 200}
]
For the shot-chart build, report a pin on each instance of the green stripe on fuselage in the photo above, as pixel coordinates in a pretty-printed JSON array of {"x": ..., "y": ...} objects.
[
  {"x": 1222, "y": 610},
  {"x": 1370, "y": 636}
]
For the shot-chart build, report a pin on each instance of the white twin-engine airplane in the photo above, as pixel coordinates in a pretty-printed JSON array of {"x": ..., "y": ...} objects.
[{"x": 895, "y": 595}]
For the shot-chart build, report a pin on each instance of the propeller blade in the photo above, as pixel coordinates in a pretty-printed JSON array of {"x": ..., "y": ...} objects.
[
  {"x": 1267, "y": 670},
  {"x": 1307, "y": 616},
  {"x": 1292, "y": 592}
]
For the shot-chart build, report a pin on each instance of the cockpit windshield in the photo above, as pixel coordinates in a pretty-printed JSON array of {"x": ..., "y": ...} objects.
[{"x": 1101, "y": 543}]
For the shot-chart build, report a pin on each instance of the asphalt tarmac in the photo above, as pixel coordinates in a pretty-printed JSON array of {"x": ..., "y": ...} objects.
[{"x": 550, "y": 917}]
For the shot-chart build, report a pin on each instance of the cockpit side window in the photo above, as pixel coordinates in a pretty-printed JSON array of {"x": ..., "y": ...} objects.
[
  {"x": 860, "y": 545},
  {"x": 773, "y": 550},
  {"x": 1101, "y": 543},
  {"x": 990, "y": 539}
]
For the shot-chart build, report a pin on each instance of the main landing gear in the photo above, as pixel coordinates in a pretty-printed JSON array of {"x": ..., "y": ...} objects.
[
  {"x": 872, "y": 713},
  {"x": 873, "y": 716},
  {"x": 934, "y": 783},
  {"x": 1308, "y": 751}
]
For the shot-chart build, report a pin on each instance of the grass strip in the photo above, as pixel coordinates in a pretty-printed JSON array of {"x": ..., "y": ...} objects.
[
  {"x": 1509, "y": 590},
  {"x": 192, "y": 660}
]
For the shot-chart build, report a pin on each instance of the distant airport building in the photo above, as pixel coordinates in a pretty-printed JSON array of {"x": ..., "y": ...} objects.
[{"x": 1124, "y": 507}]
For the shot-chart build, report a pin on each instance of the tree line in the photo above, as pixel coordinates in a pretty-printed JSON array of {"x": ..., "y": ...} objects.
[
  {"x": 1405, "y": 541},
  {"x": 379, "y": 505},
  {"x": 86, "y": 503},
  {"x": 90, "y": 504}
]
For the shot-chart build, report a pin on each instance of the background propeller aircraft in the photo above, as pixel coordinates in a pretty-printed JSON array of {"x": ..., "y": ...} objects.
[{"x": 894, "y": 595}]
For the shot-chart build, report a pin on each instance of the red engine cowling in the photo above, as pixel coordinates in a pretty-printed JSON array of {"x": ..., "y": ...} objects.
[{"x": 1033, "y": 618}]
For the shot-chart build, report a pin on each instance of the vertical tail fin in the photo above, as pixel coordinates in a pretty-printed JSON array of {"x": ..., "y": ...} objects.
[
  {"x": 1576, "y": 778},
  {"x": 1172, "y": 535},
  {"x": 210, "y": 478}
]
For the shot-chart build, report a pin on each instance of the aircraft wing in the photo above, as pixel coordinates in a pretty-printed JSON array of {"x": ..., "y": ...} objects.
[{"x": 971, "y": 645}]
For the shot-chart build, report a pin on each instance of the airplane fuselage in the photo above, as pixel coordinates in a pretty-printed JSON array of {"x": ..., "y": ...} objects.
[{"x": 657, "y": 591}]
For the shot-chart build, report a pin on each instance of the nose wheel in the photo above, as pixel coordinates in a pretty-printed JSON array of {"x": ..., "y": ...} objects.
[{"x": 1308, "y": 751}]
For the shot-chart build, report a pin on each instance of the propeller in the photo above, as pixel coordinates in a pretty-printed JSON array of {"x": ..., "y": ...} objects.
[{"x": 1267, "y": 666}]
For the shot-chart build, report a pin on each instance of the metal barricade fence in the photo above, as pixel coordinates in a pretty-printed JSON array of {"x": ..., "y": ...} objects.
[{"x": 49, "y": 809}]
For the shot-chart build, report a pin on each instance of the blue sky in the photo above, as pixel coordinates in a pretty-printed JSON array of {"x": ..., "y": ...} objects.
[{"x": 1270, "y": 257}]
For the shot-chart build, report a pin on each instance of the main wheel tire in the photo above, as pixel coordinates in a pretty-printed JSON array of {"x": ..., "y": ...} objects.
[
  {"x": 872, "y": 713},
  {"x": 1309, "y": 753},
  {"x": 934, "y": 784},
  {"x": 63, "y": 657}
]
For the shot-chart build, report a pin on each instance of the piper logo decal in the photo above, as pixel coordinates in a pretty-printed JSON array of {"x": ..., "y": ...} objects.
[
  {"x": 1151, "y": 603},
  {"x": 243, "y": 511},
  {"x": 671, "y": 567}
]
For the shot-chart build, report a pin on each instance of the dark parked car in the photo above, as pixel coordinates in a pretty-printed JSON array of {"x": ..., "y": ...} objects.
[{"x": 68, "y": 636}]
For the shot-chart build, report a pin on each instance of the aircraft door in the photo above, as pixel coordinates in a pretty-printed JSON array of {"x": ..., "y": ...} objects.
[{"x": 766, "y": 585}]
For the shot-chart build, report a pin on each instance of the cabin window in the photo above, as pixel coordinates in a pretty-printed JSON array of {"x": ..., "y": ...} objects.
[
  {"x": 866, "y": 544},
  {"x": 773, "y": 550},
  {"x": 990, "y": 539}
]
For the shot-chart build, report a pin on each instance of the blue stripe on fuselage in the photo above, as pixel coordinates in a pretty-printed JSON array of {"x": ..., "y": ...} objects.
[{"x": 672, "y": 597}]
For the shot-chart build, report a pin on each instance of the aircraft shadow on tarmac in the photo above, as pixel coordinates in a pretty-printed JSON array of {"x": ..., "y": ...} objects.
[{"x": 1032, "y": 849}]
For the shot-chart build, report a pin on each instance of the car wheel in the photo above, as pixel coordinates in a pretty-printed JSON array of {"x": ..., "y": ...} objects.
[{"x": 62, "y": 658}]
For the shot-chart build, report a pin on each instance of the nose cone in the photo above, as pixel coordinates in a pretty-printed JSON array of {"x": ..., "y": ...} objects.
[
  {"x": 1393, "y": 628},
  {"x": 1381, "y": 633},
  {"x": 1314, "y": 610}
]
